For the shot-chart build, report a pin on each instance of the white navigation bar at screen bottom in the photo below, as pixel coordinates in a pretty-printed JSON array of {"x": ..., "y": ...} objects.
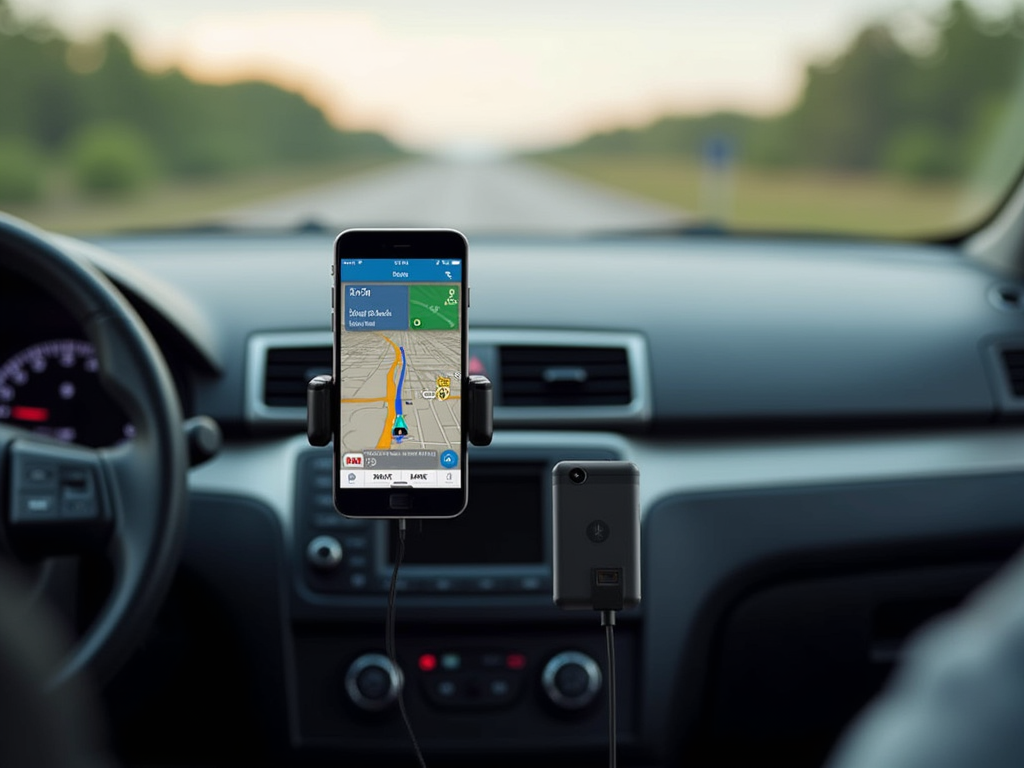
[{"x": 385, "y": 478}]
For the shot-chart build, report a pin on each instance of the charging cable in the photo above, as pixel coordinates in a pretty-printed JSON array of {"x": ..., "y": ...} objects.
[
  {"x": 608, "y": 622},
  {"x": 389, "y": 641}
]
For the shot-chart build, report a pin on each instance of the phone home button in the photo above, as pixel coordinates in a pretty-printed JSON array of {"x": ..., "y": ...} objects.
[{"x": 400, "y": 501}]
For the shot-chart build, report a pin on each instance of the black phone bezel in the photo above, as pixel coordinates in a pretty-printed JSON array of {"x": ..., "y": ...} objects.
[{"x": 400, "y": 501}]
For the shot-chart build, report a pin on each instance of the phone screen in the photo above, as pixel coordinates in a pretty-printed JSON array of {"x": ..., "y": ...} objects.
[{"x": 400, "y": 351}]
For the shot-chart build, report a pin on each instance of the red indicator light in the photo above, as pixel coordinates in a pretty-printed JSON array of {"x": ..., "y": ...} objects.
[
  {"x": 515, "y": 661},
  {"x": 476, "y": 365},
  {"x": 29, "y": 413},
  {"x": 428, "y": 662}
]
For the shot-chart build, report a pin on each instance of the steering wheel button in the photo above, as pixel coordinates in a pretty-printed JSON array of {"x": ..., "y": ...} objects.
[
  {"x": 75, "y": 479},
  {"x": 78, "y": 509},
  {"x": 39, "y": 476},
  {"x": 34, "y": 508}
]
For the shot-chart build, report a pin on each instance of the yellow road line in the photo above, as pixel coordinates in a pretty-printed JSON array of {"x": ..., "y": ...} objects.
[{"x": 385, "y": 436}]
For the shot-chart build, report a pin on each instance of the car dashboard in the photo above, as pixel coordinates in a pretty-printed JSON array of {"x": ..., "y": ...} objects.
[{"x": 830, "y": 446}]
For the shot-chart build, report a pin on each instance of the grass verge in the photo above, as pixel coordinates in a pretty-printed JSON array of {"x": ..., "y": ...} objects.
[
  {"x": 747, "y": 199},
  {"x": 178, "y": 203}
]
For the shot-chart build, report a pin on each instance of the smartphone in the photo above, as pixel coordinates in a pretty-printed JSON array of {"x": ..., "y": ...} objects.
[
  {"x": 596, "y": 534},
  {"x": 399, "y": 319}
]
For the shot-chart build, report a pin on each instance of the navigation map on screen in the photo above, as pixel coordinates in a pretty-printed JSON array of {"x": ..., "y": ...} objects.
[{"x": 400, "y": 372}]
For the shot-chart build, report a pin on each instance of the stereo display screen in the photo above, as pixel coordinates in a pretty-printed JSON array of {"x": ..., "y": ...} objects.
[{"x": 503, "y": 524}]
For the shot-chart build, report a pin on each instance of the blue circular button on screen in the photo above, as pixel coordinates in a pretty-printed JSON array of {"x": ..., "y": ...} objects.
[{"x": 449, "y": 459}]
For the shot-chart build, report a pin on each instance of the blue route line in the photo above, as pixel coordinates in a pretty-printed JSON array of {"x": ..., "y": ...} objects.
[{"x": 398, "y": 394}]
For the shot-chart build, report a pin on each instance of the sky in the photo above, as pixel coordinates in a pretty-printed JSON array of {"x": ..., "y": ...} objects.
[{"x": 494, "y": 75}]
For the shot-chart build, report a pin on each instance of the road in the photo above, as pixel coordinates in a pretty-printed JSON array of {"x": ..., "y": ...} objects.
[{"x": 493, "y": 196}]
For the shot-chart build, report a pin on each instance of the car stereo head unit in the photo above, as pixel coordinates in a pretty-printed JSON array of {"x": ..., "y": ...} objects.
[{"x": 500, "y": 544}]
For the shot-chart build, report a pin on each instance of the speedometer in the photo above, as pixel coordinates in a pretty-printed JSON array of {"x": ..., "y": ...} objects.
[{"x": 53, "y": 388}]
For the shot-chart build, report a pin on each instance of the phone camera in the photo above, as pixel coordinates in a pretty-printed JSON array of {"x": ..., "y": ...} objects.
[{"x": 578, "y": 475}]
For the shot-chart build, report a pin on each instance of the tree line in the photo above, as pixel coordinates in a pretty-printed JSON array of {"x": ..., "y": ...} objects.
[
  {"x": 90, "y": 107},
  {"x": 881, "y": 105}
]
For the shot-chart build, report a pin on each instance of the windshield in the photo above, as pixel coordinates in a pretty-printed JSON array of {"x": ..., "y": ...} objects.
[{"x": 881, "y": 118}]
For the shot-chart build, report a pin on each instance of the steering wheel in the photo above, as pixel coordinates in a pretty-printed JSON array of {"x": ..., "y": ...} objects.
[{"x": 127, "y": 502}]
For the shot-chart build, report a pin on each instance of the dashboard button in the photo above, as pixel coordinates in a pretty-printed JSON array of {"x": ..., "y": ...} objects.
[
  {"x": 493, "y": 660},
  {"x": 358, "y": 561},
  {"x": 372, "y": 682},
  {"x": 571, "y": 680},
  {"x": 327, "y": 520},
  {"x": 498, "y": 690},
  {"x": 531, "y": 583},
  {"x": 357, "y": 580},
  {"x": 446, "y": 689},
  {"x": 384, "y": 583},
  {"x": 324, "y": 553},
  {"x": 334, "y": 519},
  {"x": 451, "y": 661}
]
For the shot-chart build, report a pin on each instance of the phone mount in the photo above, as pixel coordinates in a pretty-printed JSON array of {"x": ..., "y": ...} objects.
[{"x": 321, "y": 413}]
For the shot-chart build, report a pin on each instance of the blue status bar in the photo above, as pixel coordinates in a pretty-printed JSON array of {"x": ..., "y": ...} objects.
[{"x": 401, "y": 270}]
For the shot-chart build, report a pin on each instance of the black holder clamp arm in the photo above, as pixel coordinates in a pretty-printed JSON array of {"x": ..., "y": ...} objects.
[
  {"x": 320, "y": 410},
  {"x": 480, "y": 429}
]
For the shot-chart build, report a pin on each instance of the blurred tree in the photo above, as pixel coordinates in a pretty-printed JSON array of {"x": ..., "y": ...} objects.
[
  {"x": 878, "y": 105},
  {"x": 120, "y": 124},
  {"x": 112, "y": 159},
  {"x": 22, "y": 171},
  {"x": 851, "y": 106}
]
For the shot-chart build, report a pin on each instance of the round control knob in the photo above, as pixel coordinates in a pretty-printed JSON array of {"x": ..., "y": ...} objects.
[
  {"x": 373, "y": 682},
  {"x": 324, "y": 553},
  {"x": 571, "y": 679}
]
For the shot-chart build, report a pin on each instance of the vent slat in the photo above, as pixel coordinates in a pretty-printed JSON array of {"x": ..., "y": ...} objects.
[
  {"x": 594, "y": 370},
  {"x": 1013, "y": 360},
  {"x": 526, "y": 379},
  {"x": 614, "y": 386},
  {"x": 289, "y": 370}
]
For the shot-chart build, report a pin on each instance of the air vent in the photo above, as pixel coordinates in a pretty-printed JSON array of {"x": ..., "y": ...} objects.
[
  {"x": 1013, "y": 360},
  {"x": 541, "y": 378},
  {"x": 550, "y": 376},
  {"x": 277, "y": 369},
  {"x": 288, "y": 371}
]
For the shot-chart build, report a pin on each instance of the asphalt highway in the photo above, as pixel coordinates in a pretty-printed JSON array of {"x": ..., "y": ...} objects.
[{"x": 499, "y": 196}]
